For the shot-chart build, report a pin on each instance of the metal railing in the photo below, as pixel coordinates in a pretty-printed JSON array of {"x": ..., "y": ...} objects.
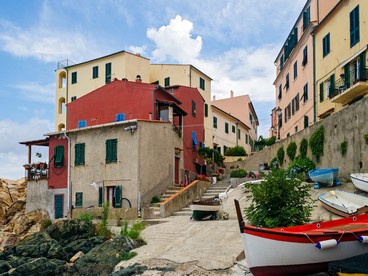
[
  {"x": 37, "y": 174},
  {"x": 345, "y": 82},
  {"x": 64, "y": 63}
]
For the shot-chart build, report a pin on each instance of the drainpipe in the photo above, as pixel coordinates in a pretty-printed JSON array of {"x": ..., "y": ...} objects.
[
  {"x": 236, "y": 134},
  {"x": 69, "y": 182},
  {"x": 139, "y": 177},
  {"x": 314, "y": 81}
]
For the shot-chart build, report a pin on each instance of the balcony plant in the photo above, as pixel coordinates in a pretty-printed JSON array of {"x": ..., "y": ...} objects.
[{"x": 27, "y": 166}]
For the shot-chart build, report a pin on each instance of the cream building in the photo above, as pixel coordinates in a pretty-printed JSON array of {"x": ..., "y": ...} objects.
[
  {"x": 240, "y": 107},
  {"x": 76, "y": 80},
  {"x": 341, "y": 57},
  {"x": 294, "y": 83},
  {"x": 228, "y": 132}
]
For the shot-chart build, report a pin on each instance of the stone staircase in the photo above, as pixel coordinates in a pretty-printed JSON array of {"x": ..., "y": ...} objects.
[
  {"x": 155, "y": 207},
  {"x": 213, "y": 191}
]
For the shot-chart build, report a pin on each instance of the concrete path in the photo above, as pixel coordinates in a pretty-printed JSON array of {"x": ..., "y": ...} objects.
[{"x": 213, "y": 245}]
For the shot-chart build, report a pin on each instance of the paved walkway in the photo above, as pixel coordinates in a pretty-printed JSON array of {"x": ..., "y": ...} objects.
[{"x": 213, "y": 245}]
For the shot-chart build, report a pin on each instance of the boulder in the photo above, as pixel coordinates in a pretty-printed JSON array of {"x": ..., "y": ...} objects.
[
  {"x": 10, "y": 192},
  {"x": 67, "y": 231},
  {"x": 14, "y": 208},
  {"x": 40, "y": 267},
  {"x": 76, "y": 257},
  {"x": 83, "y": 245}
]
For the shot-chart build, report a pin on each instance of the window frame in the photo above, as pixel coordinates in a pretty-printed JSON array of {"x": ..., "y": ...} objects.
[
  {"x": 167, "y": 81},
  {"x": 108, "y": 72},
  {"x": 111, "y": 151},
  {"x": 201, "y": 83},
  {"x": 214, "y": 122},
  {"x": 74, "y": 78},
  {"x": 79, "y": 200},
  {"x": 354, "y": 26},
  {"x": 79, "y": 154},
  {"x": 94, "y": 72},
  {"x": 326, "y": 45},
  {"x": 59, "y": 156},
  {"x": 226, "y": 127}
]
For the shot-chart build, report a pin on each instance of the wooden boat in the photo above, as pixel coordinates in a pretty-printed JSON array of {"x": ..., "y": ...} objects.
[
  {"x": 324, "y": 175},
  {"x": 343, "y": 203},
  {"x": 360, "y": 181},
  {"x": 305, "y": 249},
  {"x": 206, "y": 208}
]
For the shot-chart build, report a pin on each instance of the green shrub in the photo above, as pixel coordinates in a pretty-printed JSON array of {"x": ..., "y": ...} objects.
[
  {"x": 125, "y": 256},
  {"x": 86, "y": 217},
  {"x": 155, "y": 199},
  {"x": 281, "y": 155},
  {"x": 275, "y": 162},
  {"x": 303, "y": 148},
  {"x": 238, "y": 173},
  {"x": 239, "y": 159},
  {"x": 365, "y": 136},
  {"x": 209, "y": 153},
  {"x": 134, "y": 232},
  {"x": 291, "y": 150},
  {"x": 102, "y": 226},
  {"x": 46, "y": 223},
  {"x": 279, "y": 201},
  {"x": 300, "y": 165},
  {"x": 235, "y": 151},
  {"x": 316, "y": 142},
  {"x": 343, "y": 148}
]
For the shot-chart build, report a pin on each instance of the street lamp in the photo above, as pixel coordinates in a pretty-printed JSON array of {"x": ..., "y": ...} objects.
[{"x": 278, "y": 113}]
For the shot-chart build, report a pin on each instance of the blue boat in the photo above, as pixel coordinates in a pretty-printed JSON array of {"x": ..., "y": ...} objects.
[{"x": 324, "y": 176}]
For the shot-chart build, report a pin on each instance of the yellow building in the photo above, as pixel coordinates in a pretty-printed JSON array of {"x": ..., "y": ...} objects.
[
  {"x": 76, "y": 80},
  {"x": 340, "y": 52}
]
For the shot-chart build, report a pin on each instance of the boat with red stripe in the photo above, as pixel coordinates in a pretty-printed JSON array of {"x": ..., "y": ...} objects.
[{"x": 304, "y": 249}]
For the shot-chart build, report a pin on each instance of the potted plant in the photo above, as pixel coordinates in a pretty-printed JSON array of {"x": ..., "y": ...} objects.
[
  {"x": 43, "y": 165},
  {"x": 27, "y": 166}
]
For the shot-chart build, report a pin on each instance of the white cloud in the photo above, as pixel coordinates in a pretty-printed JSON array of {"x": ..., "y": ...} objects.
[
  {"x": 36, "y": 92},
  {"x": 12, "y": 154},
  {"x": 174, "y": 41},
  {"x": 138, "y": 50}
]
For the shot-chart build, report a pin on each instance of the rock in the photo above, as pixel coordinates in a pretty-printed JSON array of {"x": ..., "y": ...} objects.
[
  {"x": 67, "y": 231},
  {"x": 84, "y": 245},
  {"x": 40, "y": 267},
  {"x": 102, "y": 259},
  {"x": 4, "y": 266},
  {"x": 10, "y": 191},
  {"x": 14, "y": 208},
  {"x": 76, "y": 256}
]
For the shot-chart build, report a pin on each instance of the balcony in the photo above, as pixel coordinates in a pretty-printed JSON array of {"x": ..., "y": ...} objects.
[
  {"x": 36, "y": 172},
  {"x": 350, "y": 87}
]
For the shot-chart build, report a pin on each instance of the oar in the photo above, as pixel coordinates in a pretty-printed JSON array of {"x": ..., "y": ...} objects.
[{"x": 332, "y": 192}]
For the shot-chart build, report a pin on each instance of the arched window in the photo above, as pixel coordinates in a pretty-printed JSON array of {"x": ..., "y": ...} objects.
[
  {"x": 61, "y": 127},
  {"x": 62, "y": 79},
  {"x": 61, "y": 105}
]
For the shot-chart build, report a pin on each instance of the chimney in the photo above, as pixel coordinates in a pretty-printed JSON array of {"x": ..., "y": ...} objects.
[
  {"x": 231, "y": 93},
  {"x": 214, "y": 98}
]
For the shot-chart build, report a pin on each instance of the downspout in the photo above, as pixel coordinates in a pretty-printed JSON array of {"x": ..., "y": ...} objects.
[
  {"x": 69, "y": 182},
  {"x": 236, "y": 134},
  {"x": 139, "y": 176},
  {"x": 314, "y": 81}
]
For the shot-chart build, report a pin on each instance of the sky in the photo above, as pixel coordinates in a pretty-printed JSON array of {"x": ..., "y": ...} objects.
[{"x": 235, "y": 42}]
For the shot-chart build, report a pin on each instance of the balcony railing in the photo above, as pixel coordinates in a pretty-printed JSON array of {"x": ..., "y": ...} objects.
[
  {"x": 36, "y": 171},
  {"x": 346, "y": 84}
]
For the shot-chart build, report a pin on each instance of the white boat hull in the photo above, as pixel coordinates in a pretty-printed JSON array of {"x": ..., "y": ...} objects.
[
  {"x": 360, "y": 181},
  {"x": 209, "y": 208}
]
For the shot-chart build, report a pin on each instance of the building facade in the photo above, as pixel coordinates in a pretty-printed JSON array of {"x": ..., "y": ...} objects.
[
  {"x": 341, "y": 57},
  {"x": 294, "y": 83},
  {"x": 242, "y": 109}
]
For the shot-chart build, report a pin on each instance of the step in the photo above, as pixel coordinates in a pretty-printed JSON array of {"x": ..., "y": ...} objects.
[
  {"x": 215, "y": 190},
  {"x": 182, "y": 213}
]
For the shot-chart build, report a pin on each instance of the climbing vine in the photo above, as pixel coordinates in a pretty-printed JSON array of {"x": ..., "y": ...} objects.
[
  {"x": 291, "y": 150},
  {"x": 316, "y": 142},
  {"x": 343, "y": 148},
  {"x": 281, "y": 155},
  {"x": 303, "y": 147},
  {"x": 365, "y": 136}
]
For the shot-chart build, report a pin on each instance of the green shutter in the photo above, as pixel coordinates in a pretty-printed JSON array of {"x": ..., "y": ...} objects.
[
  {"x": 79, "y": 154},
  {"x": 214, "y": 122},
  {"x": 362, "y": 62},
  {"x": 306, "y": 121},
  {"x": 59, "y": 156},
  {"x": 239, "y": 134},
  {"x": 321, "y": 92},
  {"x": 206, "y": 110},
  {"x": 111, "y": 150},
  {"x": 78, "y": 199},
  {"x": 347, "y": 75},
  {"x": 118, "y": 197},
  {"x": 167, "y": 81},
  {"x": 332, "y": 85},
  {"x": 100, "y": 196}
]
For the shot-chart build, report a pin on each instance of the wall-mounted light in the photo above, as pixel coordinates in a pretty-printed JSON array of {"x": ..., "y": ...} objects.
[{"x": 131, "y": 128}]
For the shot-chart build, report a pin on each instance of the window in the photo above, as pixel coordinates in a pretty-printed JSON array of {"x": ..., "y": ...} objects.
[
  {"x": 305, "y": 56},
  {"x": 100, "y": 196},
  {"x": 305, "y": 93},
  {"x": 107, "y": 72},
  {"x": 327, "y": 88},
  {"x": 74, "y": 98},
  {"x": 205, "y": 110},
  {"x": 296, "y": 129},
  {"x": 239, "y": 134},
  {"x": 296, "y": 100},
  {"x": 295, "y": 69},
  {"x": 82, "y": 123},
  {"x": 251, "y": 118},
  {"x": 225, "y": 148},
  {"x": 74, "y": 77},
  {"x": 280, "y": 92},
  {"x": 214, "y": 122},
  {"x": 201, "y": 83},
  {"x": 287, "y": 82},
  {"x": 332, "y": 92},
  {"x": 78, "y": 200},
  {"x": 79, "y": 154},
  {"x": 354, "y": 26},
  {"x": 95, "y": 72},
  {"x": 167, "y": 81},
  {"x": 306, "y": 121},
  {"x": 117, "y": 194},
  {"x": 233, "y": 129},
  {"x": 119, "y": 117},
  {"x": 194, "y": 139},
  {"x": 326, "y": 45},
  {"x": 111, "y": 150},
  {"x": 58, "y": 156},
  {"x": 281, "y": 62},
  {"x": 321, "y": 92},
  {"x": 246, "y": 138},
  {"x": 226, "y": 127},
  {"x": 347, "y": 75},
  {"x": 306, "y": 18},
  {"x": 194, "y": 109}
]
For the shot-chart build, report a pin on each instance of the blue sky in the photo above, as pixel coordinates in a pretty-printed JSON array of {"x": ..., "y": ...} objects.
[{"x": 234, "y": 42}]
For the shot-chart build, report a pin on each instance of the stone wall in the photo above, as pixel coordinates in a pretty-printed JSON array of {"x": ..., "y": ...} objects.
[{"x": 347, "y": 125}]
